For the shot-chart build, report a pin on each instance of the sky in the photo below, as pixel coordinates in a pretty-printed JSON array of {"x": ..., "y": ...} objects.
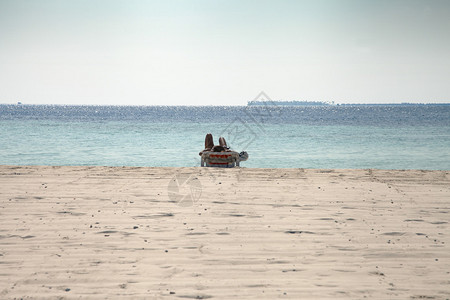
[{"x": 224, "y": 52}]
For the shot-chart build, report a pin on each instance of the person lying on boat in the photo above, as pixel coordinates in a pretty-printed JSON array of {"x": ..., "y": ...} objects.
[{"x": 209, "y": 145}]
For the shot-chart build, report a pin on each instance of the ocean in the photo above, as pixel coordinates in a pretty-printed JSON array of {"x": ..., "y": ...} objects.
[{"x": 325, "y": 137}]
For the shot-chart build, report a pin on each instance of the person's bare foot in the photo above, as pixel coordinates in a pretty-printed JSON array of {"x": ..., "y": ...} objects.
[
  {"x": 209, "y": 142},
  {"x": 222, "y": 142}
]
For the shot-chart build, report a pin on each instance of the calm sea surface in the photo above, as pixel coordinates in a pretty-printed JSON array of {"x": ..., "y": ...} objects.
[{"x": 360, "y": 136}]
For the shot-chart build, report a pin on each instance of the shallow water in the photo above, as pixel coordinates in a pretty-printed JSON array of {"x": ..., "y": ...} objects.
[{"x": 385, "y": 137}]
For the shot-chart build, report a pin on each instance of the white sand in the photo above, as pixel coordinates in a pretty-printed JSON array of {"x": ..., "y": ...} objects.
[{"x": 102, "y": 232}]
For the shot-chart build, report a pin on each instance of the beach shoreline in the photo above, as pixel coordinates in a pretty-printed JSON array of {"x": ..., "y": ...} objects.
[{"x": 166, "y": 232}]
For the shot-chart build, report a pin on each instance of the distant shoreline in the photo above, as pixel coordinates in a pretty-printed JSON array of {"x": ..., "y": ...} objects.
[{"x": 320, "y": 103}]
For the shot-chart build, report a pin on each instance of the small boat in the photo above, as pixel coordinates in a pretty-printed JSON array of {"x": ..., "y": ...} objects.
[{"x": 224, "y": 159}]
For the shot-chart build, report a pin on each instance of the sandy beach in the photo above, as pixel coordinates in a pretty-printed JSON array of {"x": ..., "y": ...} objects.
[{"x": 202, "y": 233}]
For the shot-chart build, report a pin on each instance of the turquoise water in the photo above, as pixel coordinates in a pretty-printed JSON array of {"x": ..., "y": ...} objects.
[{"x": 123, "y": 141}]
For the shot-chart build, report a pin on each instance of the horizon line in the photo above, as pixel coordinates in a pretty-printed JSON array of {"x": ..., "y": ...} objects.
[{"x": 311, "y": 103}]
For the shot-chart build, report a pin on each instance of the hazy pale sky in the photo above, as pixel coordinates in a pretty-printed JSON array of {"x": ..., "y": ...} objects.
[{"x": 223, "y": 52}]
